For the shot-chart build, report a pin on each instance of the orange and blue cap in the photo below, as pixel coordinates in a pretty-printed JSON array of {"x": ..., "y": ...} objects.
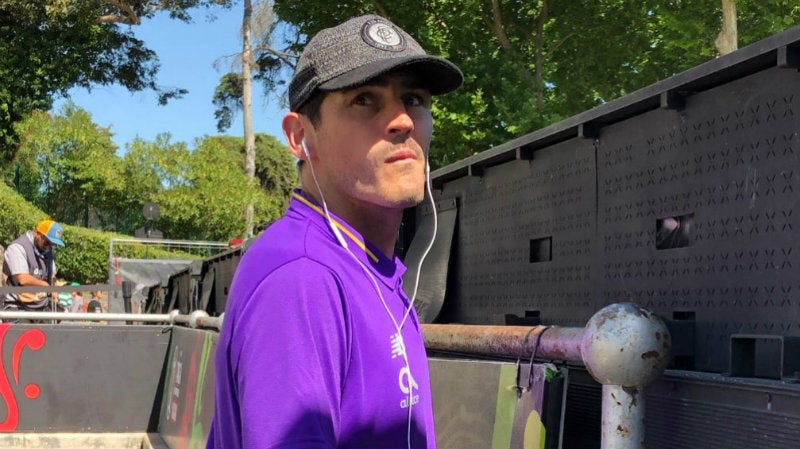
[{"x": 52, "y": 230}]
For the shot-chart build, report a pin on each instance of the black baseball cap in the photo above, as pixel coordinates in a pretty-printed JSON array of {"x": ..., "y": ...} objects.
[{"x": 360, "y": 49}]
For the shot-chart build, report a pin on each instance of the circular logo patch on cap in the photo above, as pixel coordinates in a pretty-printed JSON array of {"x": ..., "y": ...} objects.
[{"x": 383, "y": 35}]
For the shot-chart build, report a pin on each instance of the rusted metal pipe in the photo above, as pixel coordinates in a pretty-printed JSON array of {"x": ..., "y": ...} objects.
[
  {"x": 622, "y": 425},
  {"x": 549, "y": 342},
  {"x": 623, "y": 346}
]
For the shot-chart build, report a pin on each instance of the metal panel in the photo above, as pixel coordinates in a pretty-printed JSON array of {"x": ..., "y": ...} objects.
[
  {"x": 680, "y": 197},
  {"x": 727, "y": 168},
  {"x": 496, "y": 404},
  {"x": 691, "y": 410},
  {"x": 215, "y": 286},
  {"x": 506, "y": 217},
  {"x": 188, "y": 404},
  {"x": 432, "y": 275},
  {"x": 707, "y": 410},
  {"x": 81, "y": 378}
]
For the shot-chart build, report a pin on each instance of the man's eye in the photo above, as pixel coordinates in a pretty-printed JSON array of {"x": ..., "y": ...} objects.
[
  {"x": 416, "y": 100},
  {"x": 363, "y": 100},
  {"x": 413, "y": 100}
]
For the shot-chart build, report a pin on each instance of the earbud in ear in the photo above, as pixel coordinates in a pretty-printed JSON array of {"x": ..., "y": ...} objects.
[{"x": 305, "y": 147}]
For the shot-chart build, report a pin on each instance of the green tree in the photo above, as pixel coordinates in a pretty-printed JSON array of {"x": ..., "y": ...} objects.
[
  {"x": 205, "y": 190},
  {"x": 50, "y": 46},
  {"x": 530, "y": 64},
  {"x": 70, "y": 170},
  {"x": 150, "y": 168},
  {"x": 68, "y": 165},
  {"x": 275, "y": 167}
]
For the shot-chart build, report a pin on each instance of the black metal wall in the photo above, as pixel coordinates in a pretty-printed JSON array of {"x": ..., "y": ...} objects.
[
  {"x": 81, "y": 378},
  {"x": 681, "y": 197}
]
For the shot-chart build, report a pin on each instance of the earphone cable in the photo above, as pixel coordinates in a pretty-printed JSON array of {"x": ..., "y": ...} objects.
[
  {"x": 430, "y": 243},
  {"x": 398, "y": 328}
]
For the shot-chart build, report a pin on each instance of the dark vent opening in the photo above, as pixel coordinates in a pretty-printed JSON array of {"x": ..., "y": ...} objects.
[{"x": 542, "y": 250}]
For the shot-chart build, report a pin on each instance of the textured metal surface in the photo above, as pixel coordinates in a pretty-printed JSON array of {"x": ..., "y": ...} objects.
[
  {"x": 680, "y": 197},
  {"x": 623, "y": 413},
  {"x": 730, "y": 159},
  {"x": 505, "y": 212},
  {"x": 693, "y": 410},
  {"x": 223, "y": 267},
  {"x": 555, "y": 343}
]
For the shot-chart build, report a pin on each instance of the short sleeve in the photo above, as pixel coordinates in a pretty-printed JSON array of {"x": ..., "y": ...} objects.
[
  {"x": 16, "y": 259},
  {"x": 288, "y": 357}
]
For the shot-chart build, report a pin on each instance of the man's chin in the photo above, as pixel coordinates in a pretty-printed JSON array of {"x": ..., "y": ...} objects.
[{"x": 412, "y": 200}]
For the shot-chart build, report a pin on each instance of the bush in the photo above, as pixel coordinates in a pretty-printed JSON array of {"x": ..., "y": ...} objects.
[{"x": 84, "y": 258}]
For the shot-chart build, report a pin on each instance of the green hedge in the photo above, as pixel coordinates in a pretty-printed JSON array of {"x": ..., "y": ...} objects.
[{"x": 85, "y": 257}]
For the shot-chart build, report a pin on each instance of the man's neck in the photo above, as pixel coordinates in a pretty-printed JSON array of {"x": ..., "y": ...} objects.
[{"x": 377, "y": 225}]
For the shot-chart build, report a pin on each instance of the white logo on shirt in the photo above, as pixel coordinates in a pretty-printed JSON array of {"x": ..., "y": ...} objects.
[
  {"x": 405, "y": 380},
  {"x": 398, "y": 347},
  {"x": 407, "y": 385}
]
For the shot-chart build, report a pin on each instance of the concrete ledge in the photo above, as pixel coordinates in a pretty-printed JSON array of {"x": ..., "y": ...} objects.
[{"x": 131, "y": 440}]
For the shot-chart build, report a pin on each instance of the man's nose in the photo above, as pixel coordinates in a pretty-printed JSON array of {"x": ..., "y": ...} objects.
[{"x": 400, "y": 120}]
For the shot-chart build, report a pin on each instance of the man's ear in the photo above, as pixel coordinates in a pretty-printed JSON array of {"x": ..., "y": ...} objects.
[{"x": 294, "y": 128}]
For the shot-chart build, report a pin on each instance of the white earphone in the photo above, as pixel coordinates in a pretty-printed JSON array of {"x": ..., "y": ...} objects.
[
  {"x": 305, "y": 147},
  {"x": 335, "y": 229}
]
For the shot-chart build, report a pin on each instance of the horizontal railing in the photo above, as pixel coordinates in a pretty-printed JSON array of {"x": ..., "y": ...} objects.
[{"x": 196, "y": 319}]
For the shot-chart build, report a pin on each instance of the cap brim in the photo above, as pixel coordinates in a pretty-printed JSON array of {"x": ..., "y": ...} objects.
[
  {"x": 438, "y": 74},
  {"x": 55, "y": 241}
]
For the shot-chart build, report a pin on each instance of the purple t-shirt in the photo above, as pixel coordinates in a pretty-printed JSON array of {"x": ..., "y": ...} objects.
[{"x": 308, "y": 355}]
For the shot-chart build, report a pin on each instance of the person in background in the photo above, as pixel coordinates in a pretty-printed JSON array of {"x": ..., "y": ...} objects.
[
  {"x": 29, "y": 261},
  {"x": 94, "y": 306},
  {"x": 77, "y": 300},
  {"x": 97, "y": 295},
  {"x": 63, "y": 299},
  {"x": 320, "y": 346}
]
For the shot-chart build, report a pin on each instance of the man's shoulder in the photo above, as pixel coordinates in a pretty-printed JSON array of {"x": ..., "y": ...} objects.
[
  {"x": 270, "y": 275},
  {"x": 14, "y": 250},
  {"x": 288, "y": 239},
  {"x": 287, "y": 248},
  {"x": 284, "y": 262},
  {"x": 279, "y": 242}
]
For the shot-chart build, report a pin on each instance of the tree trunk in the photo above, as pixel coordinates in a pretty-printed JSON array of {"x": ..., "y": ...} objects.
[
  {"x": 497, "y": 27},
  {"x": 247, "y": 112},
  {"x": 539, "y": 55},
  {"x": 727, "y": 40}
]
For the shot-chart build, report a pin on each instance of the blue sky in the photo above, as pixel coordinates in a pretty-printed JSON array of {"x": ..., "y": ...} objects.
[{"x": 186, "y": 53}]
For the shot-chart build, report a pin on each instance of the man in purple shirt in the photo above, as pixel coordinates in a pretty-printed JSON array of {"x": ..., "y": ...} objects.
[{"x": 320, "y": 346}]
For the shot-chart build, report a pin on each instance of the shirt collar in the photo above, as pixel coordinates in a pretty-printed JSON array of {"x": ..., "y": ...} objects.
[
  {"x": 340, "y": 224},
  {"x": 388, "y": 270}
]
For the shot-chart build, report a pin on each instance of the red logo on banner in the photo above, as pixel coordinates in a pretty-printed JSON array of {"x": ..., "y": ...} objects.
[{"x": 33, "y": 339}]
